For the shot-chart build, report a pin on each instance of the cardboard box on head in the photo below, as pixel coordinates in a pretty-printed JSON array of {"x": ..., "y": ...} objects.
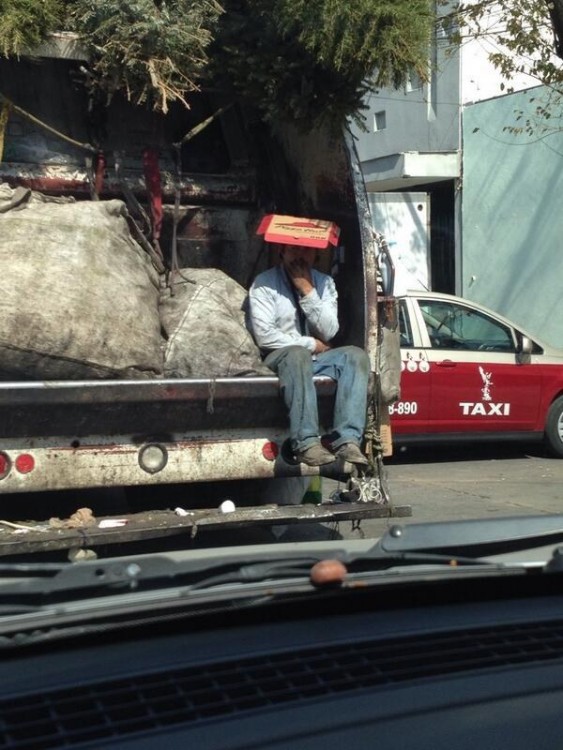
[{"x": 295, "y": 230}]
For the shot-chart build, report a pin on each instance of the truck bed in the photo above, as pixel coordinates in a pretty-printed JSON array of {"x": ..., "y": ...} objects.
[{"x": 147, "y": 407}]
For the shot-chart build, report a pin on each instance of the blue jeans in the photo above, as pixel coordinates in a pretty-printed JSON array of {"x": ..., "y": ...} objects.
[{"x": 295, "y": 367}]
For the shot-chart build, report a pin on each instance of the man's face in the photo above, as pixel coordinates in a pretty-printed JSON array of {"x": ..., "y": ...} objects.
[{"x": 293, "y": 256}]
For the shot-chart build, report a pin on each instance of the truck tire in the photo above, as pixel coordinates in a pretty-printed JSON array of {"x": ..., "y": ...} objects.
[{"x": 554, "y": 428}]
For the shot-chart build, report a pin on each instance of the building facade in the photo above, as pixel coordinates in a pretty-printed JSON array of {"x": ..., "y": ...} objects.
[{"x": 451, "y": 150}]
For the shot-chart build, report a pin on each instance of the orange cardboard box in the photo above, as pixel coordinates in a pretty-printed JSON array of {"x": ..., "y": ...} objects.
[{"x": 294, "y": 230}]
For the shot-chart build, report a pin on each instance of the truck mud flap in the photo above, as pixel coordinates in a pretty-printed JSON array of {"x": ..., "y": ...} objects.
[{"x": 35, "y": 537}]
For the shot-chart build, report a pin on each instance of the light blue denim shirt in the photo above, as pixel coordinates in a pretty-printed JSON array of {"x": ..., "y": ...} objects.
[{"x": 274, "y": 319}]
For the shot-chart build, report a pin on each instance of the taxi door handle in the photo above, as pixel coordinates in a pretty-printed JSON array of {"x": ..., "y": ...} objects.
[{"x": 446, "y": 363}]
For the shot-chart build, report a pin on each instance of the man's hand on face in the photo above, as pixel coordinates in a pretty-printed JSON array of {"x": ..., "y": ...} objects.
[
  {"x": 300, "y": 275},
  {"x": 298, "y": 262}
]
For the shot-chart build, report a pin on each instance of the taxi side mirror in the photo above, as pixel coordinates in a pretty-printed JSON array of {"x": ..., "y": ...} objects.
[{"x": 524, "y": 351}]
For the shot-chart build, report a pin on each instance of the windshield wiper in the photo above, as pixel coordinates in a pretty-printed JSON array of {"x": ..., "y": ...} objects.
[
  {"x": 456, "y": 544},
  {"x": 158, "y": 573},
  {"x": 473, "y": 538},
  {"x": 48, "y": 599}
]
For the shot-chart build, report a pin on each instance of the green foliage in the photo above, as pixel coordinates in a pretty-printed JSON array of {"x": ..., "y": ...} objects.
[
  {"x": 359, "y": 37},
  {"x": 316, "y": 59},
  {"x": 155, "y": 52},
  {"x": 303, "y": 60},
  {"x": 24, "y": 24},
  {"x": 541, "y": 117}
]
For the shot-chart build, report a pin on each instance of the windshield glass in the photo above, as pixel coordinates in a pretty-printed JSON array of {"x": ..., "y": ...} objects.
[
  {"x": 281, "y": 375},
  {"x": 240, "y": 322}
]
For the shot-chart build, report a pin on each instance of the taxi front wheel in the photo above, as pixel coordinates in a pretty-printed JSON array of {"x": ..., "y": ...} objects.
[{"x": 554, "y": 428}]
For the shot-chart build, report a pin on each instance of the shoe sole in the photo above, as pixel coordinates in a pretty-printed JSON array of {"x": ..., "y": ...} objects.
[{"x": 316, "y": 463}]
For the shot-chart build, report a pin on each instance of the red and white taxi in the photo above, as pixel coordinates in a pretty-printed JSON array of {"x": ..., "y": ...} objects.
[{"x": 468, "y": 373}]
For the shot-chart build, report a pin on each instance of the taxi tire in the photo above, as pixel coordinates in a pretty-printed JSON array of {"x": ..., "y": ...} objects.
[{"x": 553, "y": 424}]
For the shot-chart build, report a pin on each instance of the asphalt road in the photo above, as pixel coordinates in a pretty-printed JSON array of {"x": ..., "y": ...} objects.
[
  {"x": 455, "y": 482},
  {"x": 485, "y": 481}
]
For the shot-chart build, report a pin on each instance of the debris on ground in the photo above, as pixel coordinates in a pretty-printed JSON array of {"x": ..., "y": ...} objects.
[{"x": 79, "y": 519}]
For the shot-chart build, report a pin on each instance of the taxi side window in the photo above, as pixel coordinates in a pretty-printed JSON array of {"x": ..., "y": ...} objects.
[
  {"x": 404, "y": 325},
  {"x": 452, "y": 326}
]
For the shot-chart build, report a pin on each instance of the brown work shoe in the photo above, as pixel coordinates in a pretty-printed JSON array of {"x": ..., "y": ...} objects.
[
  {"x": 351, "y": 452},
  {"x": 314, "y": 455}
]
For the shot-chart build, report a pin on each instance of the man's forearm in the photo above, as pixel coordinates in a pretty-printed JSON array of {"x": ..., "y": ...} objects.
[{"x": 321, "y": 314}]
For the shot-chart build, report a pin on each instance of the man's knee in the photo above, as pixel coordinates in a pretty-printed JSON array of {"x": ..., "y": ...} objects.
[
  {"x": 292, "y": 357},
  {"x": 357, "y": 358},
  {"x": 296, "y": 354}
]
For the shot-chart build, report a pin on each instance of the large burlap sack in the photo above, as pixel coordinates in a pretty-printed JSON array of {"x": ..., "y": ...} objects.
[
  {"x": 202, "y": 315},
  {"x": 78, "y": 296}
]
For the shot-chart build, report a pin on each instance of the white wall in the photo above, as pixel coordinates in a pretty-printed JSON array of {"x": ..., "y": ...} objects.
[
  {"x": 403, "y": 219},
  {"x": 480, "y": 80}
]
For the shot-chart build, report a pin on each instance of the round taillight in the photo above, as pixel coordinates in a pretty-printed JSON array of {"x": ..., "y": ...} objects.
[
  {"x": 5, "y": 465},
  {"x": 153, "y": 458},
  {"x": 24, "y": 463},
  {"x": 270, "y": 451}
]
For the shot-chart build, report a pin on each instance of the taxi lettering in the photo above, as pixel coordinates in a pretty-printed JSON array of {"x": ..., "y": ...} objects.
[{"x": 470, "y": 409}]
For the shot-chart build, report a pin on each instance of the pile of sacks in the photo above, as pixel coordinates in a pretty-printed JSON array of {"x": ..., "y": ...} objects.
[{"x": 80, "y": 299}]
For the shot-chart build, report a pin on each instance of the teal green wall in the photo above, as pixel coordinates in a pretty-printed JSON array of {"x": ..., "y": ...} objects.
[{"x": 511, "y": 246}]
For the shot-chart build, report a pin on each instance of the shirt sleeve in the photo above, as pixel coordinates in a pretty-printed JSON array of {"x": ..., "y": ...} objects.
[
  {"x": 264, "y": 322},
  {"x": 321, "y": 308}
]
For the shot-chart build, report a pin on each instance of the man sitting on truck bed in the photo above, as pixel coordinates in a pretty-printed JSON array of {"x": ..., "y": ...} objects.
[{"x": 294, "y": 316}]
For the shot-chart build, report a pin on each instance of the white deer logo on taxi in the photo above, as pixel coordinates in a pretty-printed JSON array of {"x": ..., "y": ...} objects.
[
  {"x": 487, "y": 409},
  {"x": 487, "y": 379}
]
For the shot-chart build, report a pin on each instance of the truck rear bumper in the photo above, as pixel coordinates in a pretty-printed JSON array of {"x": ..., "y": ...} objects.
[
  {"x": 78, "y": 434},
  {"x": 36, "y": 465},
  {"x": 38, "y": 537},
  {"x": 54, "y": 464}
]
